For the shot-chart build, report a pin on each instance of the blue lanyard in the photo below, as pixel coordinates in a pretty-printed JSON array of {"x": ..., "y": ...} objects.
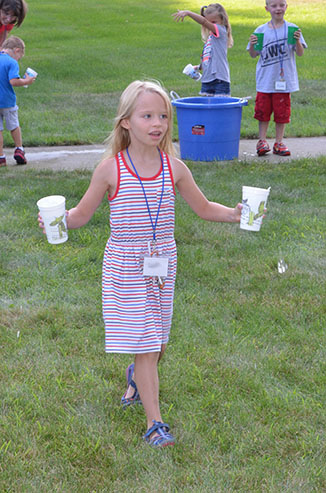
[
  {"x": 281, "y": 57},
  {"x": 154, "y": 225}
]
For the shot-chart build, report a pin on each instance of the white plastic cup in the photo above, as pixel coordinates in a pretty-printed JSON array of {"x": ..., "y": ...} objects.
[
  {"x": 192, "y": 72},
  {"x": 53, "y": 212},
  {"x": 31, "y": 73},
  {"x": 254, "y": 202}
]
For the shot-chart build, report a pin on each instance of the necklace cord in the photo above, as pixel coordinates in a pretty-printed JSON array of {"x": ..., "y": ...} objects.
[{"x": 154, "y": 225}]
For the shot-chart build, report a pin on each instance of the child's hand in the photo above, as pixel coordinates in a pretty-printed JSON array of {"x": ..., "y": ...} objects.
[
  {"x": 180, "y": 15},
  {"x": 297, "y": 34},
  {"x": 237, "y": 213},
  {"x": 253, "y": 39},
  {"x": 41, "y": 223},
  {"x": 28, "y": 79}
]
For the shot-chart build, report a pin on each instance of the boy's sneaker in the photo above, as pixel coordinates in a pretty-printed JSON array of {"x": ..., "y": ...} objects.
[
  {"x": 3, "y": 162},
  {"x": 262, "y": 147},
  {"x": 19, "y": 156},
  {"x": 280, "y": 149}
]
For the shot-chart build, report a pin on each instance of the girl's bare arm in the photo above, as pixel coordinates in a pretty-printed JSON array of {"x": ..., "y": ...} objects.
[
  {"x": 191, "y": 193},
  {"x": 103, "y": 180},
  {"x": 181, "y": 14}
]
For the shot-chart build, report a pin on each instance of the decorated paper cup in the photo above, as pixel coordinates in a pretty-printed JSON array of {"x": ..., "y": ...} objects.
[
  {"x": 53, "y": 212},
  {"x": 291, "y": 31},
  {"x": 31, "y": 73},
  {"x": 253, "y": 204},
  {"x": 192, "y": 72},
  {"x": 260, "y": 41}
]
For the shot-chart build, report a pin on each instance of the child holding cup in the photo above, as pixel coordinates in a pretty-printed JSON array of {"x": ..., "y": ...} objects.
[
  {"x": 140, "y": 177},
  {"x": 276, "y": 73},
  {"x": 13, "y": 50},
  {"x": 217, "y": 37}
]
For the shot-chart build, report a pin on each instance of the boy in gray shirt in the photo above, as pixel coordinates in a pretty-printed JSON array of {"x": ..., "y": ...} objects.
[{"x": 276, "y": 75}]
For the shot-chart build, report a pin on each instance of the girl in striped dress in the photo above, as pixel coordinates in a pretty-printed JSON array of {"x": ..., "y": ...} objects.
[{"x": 140, "y": 176}]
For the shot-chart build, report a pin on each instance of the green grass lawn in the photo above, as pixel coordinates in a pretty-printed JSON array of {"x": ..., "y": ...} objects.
[
  {"x": 243, "y": 381},
  {"x": 87, "y": 52}
]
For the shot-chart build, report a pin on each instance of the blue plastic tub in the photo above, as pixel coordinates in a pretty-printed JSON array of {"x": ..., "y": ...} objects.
[{"x": 209, "y": 128}]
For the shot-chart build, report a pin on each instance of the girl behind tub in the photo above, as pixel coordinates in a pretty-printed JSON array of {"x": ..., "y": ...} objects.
[{"x": 217, "y": 36}]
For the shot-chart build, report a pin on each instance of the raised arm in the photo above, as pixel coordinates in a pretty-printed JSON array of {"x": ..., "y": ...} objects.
[
  {"x": 181, "y": 14},
  {"x": 191, "y": 193}
]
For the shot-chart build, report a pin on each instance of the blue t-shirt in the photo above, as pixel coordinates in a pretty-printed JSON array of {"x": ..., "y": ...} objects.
[{"x": 9, "y": 69}]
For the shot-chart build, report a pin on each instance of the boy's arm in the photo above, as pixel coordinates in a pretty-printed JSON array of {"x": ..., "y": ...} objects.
[
  {"x": 181, "y": 14},
  {"x": 18, "y": 82},
  {"x": 299, "y": 48}
]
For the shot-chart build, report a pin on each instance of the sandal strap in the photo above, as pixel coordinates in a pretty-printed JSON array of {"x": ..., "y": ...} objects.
[
  {"x": 135, "y": 398},
  {"x": 162, "y": 438},
  {"x": 130, "y": 380},
  {"x": 133, "y": 385},
  {"x": 162, "y": 441},
  {"x": 161, "y": 428}
]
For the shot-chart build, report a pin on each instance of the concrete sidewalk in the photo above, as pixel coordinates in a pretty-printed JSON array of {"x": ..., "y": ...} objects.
[{"x": 87, "y": 157}]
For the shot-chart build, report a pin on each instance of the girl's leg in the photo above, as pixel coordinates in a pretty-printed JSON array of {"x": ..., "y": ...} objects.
[
  {"x": 146, "y": 378},
  {"x": 163, "y": 348},
  {"x": 130, "y": 391}
]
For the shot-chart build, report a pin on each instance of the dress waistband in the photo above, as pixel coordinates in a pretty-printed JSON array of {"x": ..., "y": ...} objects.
[{"x": 144, "y": 244}]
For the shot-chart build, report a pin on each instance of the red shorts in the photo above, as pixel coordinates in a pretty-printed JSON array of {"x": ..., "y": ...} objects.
[{"x": 278, "y": 103}]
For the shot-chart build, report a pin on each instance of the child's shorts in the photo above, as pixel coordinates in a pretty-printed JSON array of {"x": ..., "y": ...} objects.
[
  {"x": 278, "y": 103},
  {"x": 215, "y": 87},
  {"x": 10, "y": 116}
]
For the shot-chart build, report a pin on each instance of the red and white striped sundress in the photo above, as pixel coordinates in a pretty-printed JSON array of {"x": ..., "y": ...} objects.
[{"x": 137, "y": 313}]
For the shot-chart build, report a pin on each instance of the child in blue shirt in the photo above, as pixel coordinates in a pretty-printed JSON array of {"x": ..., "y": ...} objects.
[{"x": 13, "y": 50}]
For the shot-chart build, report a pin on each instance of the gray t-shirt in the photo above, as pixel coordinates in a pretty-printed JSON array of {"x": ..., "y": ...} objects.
[
  {"x": 276, "y": 53},
  {"x": 214, "y": 57}
]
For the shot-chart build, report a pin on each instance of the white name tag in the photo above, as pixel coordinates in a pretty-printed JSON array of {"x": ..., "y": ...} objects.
[
  {"x": 280, "y": 85},
  {"x": 156, "y": 266}
]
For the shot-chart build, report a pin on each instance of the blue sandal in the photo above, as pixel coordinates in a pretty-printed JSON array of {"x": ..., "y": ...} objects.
[
  {"x": 135, "y": 398},
  {"x": 162, "y": 438}
]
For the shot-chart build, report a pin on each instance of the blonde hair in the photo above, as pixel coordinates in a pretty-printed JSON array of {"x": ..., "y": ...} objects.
[
  {"x": 12, "y": 43},
  {"x": 119, "y": 138},
  {"x": 220, "y": 10}
]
